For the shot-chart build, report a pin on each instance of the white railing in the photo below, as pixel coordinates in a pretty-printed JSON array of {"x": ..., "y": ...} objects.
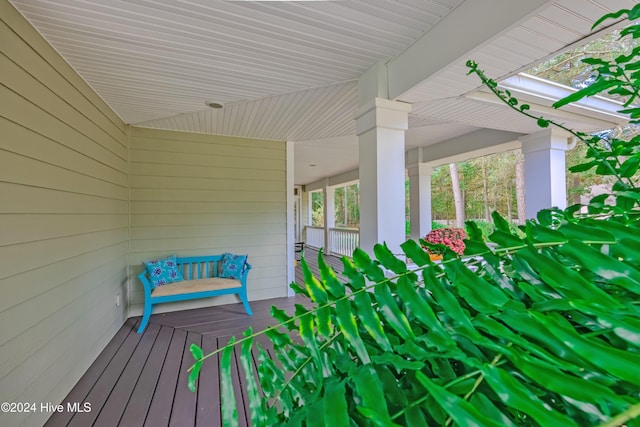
[
  {"x": 314, "y": 236},
  {"x": 343, "y": 241}
]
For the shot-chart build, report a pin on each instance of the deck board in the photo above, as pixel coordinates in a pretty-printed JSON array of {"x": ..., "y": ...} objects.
[
  {"x": 113, "y": 409},
  {"x": 137, "y": 408},
  {"x": 209, "y": 386},
  {"x": 102, "y": 390},
  {"x": 184, "y": 402},
  {"x": 88, "y": 381},
  {"x": 162, "y": 402},
  {"x": 141, "y": 379}
]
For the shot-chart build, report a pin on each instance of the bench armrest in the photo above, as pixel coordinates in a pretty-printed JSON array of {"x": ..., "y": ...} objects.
[
  {"x": 245, "y": 272},
  {"x": 145, "y": 282}
]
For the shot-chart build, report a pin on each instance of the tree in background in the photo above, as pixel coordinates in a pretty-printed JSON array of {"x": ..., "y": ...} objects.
[
  {"x": 347, "y": 204},
  {"x": 441, "y": 199},
  {"x": 496, "y": 183},
  {"x": 569, "y": 69},
  {"x": 317, "y": 209},
  {"x": 486, "y": 184}
]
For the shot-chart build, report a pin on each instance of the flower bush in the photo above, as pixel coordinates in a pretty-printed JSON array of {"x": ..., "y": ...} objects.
[{"x": 450, "y": 237}]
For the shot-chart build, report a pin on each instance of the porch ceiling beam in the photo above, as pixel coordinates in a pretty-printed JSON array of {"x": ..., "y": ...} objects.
[
  {"x": 474, "y": 144},
  {"x": 454, "y": 37},
  {"x": 344, "y": 178}
]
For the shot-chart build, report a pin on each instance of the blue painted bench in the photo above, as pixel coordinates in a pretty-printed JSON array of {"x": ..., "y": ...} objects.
[{"x": 201, "y": 280}]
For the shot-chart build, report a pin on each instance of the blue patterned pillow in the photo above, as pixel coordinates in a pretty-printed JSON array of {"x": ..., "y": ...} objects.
[
  {"x": 233, "y": 266},
  {"x": 163, "y": 271}
]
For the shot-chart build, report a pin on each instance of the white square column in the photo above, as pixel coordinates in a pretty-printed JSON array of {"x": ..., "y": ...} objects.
[
  {"x": 380, "y": 125},
  {"x": 420, "y": 200},
  {"x": 545, "y": 170}
]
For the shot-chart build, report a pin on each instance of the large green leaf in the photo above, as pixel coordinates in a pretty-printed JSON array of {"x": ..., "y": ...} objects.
[
  {"x": 258, "y": 417},
  {"x": 608, "y": 268},
  {"x": 388, "y": 259},
  {"x": 515, "y": 395},
  {"x": 314, "y": 287},
  {"x": 197, "y": 354},
  {"x": 423, "y": 312},
  {"x": 347, "y": 322},
  {"x": 369, "y": 388},
  {"x": 324, "y": 321},
  {"x": 335, "y": 404},
  {"x": 391, "y": 312},
  {"x": 329, "y": 278},
  {"x": 548, "y": 375},
  {"x": 448, "y": 301},
  {"x": 623, "y": 364},
  {"x": 370, "y": 320},
  {"x": 480, "y": 294},
  {"x": 415, "y": 253},
  {"x": 461, "y": 411},
  {"x": 364, "y": 262},
  {"x": 563, "y": 278},
  {"x": 489, "y": 409},
  {"x": 308, "y": 337},
  {"x": 229, "y": 410}
]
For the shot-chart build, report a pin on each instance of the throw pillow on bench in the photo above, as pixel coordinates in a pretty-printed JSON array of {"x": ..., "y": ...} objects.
[{"x": 163, "y": 271}]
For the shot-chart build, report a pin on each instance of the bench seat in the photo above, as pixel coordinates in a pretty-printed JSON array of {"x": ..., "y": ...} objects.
[
  {"x": 202, "y": 280},
  {"x": 193, "y": 286}
]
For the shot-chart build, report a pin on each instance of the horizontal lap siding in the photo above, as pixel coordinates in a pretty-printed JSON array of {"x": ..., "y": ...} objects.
[
  {"x": 64, "y": 218},
  {"x": 194, "y": 194}
]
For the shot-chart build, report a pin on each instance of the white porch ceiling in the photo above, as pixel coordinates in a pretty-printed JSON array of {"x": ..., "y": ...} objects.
[
  {"x": 289, "y": 70},
  {"x": 152, "y": 59}
]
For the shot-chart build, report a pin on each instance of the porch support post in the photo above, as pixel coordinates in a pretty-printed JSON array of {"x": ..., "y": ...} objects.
[
  {"x": 545, "y": 170},
  {"x": 380, "y": 125},
  {"x": 420, "y": 200},
  {"x": 329, "y": 214}
]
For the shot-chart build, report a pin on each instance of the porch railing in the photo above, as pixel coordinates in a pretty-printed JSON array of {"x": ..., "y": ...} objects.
[
  {"x": 342, "y": 241},
  {"x": 314, "y": 236}
]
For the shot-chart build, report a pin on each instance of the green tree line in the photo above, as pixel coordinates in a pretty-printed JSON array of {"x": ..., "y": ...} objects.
[{"x": 488, "y": 184}]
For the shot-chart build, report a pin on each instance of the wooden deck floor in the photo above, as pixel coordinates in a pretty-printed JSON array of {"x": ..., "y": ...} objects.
[{"x": 141, "y": 379}]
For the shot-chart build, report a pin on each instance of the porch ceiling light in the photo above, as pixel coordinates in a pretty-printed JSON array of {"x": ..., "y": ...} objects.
[{"x": 213, "y": 104}]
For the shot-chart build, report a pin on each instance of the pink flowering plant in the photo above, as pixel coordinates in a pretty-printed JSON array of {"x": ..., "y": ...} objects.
[{"x": 437, "y": 241}]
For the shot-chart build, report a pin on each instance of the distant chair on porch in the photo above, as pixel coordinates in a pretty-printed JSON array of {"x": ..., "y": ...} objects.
[{"x": 299, "y": 250}]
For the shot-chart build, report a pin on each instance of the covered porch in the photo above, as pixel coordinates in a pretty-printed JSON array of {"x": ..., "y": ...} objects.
[
  {"x": 141, "y": 379},
  {"x": 137, "y": 129}
]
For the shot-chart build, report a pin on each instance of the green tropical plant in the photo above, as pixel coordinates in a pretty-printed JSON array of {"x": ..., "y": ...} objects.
[{"x": 540, "y": 329}]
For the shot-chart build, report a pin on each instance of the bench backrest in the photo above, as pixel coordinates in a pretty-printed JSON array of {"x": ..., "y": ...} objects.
[{"x": 200, "y": 267}]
